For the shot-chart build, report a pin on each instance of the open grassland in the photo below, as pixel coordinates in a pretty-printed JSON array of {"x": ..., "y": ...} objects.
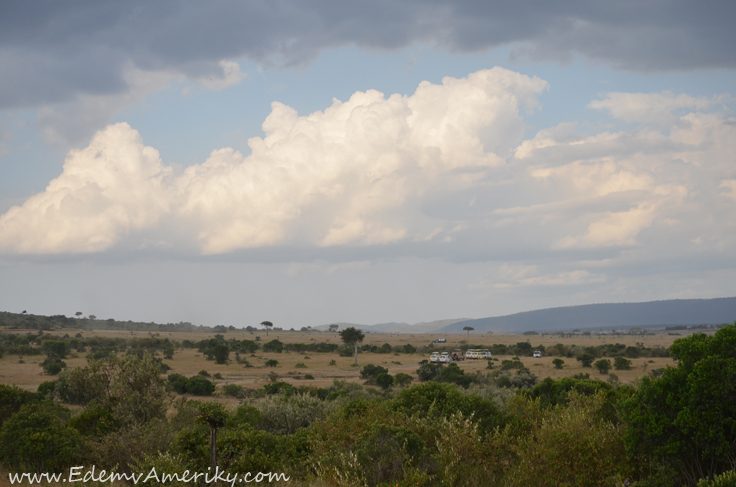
[{"x": 293, "y": 367}]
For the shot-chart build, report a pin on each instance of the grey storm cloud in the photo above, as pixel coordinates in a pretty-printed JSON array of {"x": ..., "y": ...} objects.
[{"x": 52, "y": 52}]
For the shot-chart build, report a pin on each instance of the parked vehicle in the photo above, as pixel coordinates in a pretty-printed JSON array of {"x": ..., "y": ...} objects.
[
  {"x": 537, "y": 354},
  {"x": 457, "y": 355},
  {"x": 486, "y": 353},
  {"x": 474, "y": 354},
  {"x": 434, "y": 358},
  {"x": 440, "y": 340},
  {"x": 445, "y": 358}
]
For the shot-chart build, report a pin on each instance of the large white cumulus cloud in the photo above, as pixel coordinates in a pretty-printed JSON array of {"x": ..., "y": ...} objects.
[
  {"x": 107, "y": 191},
  {"x": 444, "y": 172},
  {"x": 354, "y": 174}
]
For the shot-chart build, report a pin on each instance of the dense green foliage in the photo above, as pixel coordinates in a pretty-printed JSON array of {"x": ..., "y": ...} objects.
[{"x": 492, "y": 427}]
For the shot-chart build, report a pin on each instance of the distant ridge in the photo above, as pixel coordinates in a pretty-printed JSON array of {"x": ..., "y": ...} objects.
[{"x": 609, "y": 315}]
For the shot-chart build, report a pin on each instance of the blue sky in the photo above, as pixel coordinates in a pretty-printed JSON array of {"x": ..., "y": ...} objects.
[{"x": 574, "y": 155}]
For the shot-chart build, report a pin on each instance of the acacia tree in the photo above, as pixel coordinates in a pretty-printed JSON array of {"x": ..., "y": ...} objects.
[
  {"x": 213, "y": 414},
  {"x": 468, "y": 329},
  {"x": 333, "y": 328},
  {"x": 266, "y": 325},
  {"x": 354, "y": 336}
]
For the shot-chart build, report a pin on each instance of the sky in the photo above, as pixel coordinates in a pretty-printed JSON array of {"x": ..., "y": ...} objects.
[{"x": 313, "y": 162}]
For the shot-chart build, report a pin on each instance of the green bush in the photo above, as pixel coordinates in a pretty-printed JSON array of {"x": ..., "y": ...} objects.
[
  {"x": 12, "y": 398},
  {"x": 571, "y": 447},
  {"x": 603, "y": 366},
  {"x": 199, "y": 386},
  {"x": 272, "y": 363},
  {"x": 621, "y": 363},
  {"x": 232, "y": 390},
  {"x": 726, "y": 479},
  {"x": 384, "y": 380},
  {"x": 558, "y": 363},
  {"x": 36, "y": 439},
  {"x": 273, "y": 346}
]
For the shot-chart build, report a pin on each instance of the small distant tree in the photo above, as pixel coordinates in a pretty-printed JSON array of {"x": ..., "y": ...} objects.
[
  {"x": 603, "y": 366},
  {"x": 92, "y": 317},
  {"x": 353, "y": 336},
  {"x": 266, "y": 325},
  {"x": 558, "y": 363},
  {"x": 468, "y": 329},
  {"x": 333, "y": 328},
  {"x": 621, "y": 363},
  {"x": 78, "y": 314},
  {"x": 586, "y": 359}
]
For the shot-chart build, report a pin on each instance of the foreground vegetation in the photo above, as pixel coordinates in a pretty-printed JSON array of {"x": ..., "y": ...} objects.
[{"x": 498, "y": 426}]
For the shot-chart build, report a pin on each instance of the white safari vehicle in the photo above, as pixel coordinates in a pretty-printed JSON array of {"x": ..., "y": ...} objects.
[
  {"x": 445, "y": 358},
  {"x": 486, "y": 353},
  {"x": 537, "y": 354},
  {"x": 434, "y": 358}
]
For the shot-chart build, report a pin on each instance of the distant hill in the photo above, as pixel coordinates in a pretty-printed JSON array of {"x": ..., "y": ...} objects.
[
  {"x": 609, "y": 315},
  {"x": 394, "y": 327}
]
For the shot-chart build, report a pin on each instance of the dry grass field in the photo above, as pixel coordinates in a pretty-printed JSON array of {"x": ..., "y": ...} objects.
[{"x": 293, "y": 367}]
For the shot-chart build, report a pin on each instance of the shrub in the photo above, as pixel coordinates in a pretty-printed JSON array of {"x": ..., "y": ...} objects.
[
  {"x": 727, "y": 479},
  {"x": 573, "y": 446},
  {"x": 12, "y": 398},
  {"x": 603, "y": 366},
  {"x": 37, "y": 439},
  {"x": 286, "y": 413},
  {"x": 300, "y": 365},
  {"x": 402, "y": 379},
  {"x": 199, "y": 386},
  {"x": 178, "y": 382},
  {"x": 272, "y": 363},
  {"x": 232, "y": 390},
  {"x": 586, "y": 359},
  {"x": 308, "y": 377},
  {"x": 332, "y": 362},
  {"x": 277, "y": 387},
  {"x": 370, "y": 372},
  {"x": 621, "y": 363},
  {"x": 558, "y": 363},
  {"x": 384, "y": 380},
  {"x": 53, "y": 366},
  {"x": 273, "y": 346}
]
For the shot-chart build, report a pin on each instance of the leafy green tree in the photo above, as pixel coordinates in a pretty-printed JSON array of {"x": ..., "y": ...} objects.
[
  {"x": 199, "y": 386},
  {"x": 352, "y": 336},
  {"x": 401, "y": 379},
  {"x": 685, "y": 418},
  {"x": 131, "y": 388},
  {"x": 621, "y": 363},
  {"x": 370, "y": 371},
  {"x": 36, "y": 439},
  {"x": 12, "y": 398},
  {"x": 273, "y": 346},
  {"x": 603, "y": 366},
  {"x": 558, "y": 363},
  {"x": 384, "y": 380},
  {"x": 586, "y": 359},
  {"x": 221, "y": 353}
]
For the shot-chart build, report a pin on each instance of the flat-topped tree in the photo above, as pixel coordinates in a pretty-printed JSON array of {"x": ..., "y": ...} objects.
[
  {"x": 354, "y": 336},
  {"x": 468, "y": 329},
  {"x": 266, "y": 325}
]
